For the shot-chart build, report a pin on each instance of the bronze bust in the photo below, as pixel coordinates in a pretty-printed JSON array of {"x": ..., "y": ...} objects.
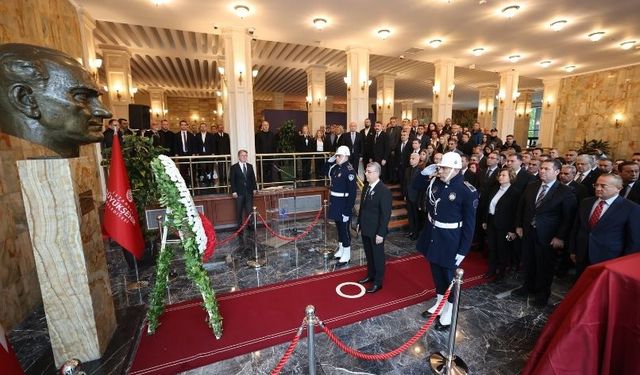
[{"x": 48, "y": 98}]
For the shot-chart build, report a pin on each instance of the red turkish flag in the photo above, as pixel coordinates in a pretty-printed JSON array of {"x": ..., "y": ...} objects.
[
  {"x": 120, "y": 214},
  {"x": 8, "y": 362}
]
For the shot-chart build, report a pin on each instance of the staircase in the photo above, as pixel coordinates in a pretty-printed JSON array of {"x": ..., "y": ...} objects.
[{"x": 399, "y": 218}]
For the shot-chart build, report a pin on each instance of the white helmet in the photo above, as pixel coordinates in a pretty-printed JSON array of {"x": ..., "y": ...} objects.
[
  {"x": 343, "y": 150},
  {"x": 451, "y": 160}
]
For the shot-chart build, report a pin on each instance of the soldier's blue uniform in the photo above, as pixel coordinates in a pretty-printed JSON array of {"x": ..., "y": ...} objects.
[
  {"x": 342, "y": 197},
  {"x": 448, "y": 230}
]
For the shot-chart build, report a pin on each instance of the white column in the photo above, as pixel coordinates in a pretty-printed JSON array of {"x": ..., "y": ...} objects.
[
  {"x": 357, "y": 84},
  {"x": 238, "y": 91},
  {"x": 486, "y": 104},
  {"x": 407, "y": 110},
  {"x": 549, "y": 112},
  {"x": 278, "y": 100},
  {"x": 523, "y": 110},
  {"x": 316, "y": 97},
  {"x": 443, "y": 86},
  {"x": 158, "y": 103},
  {"x": 385, "y": 97},
  {"x": 507, "y": 102},
  {"x": 117, "y": 66}
]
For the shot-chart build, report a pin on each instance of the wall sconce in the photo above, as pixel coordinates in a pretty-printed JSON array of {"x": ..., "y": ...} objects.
[
  {"x": 451, "y": 87},
  {"x": 549, "y": 102},
  {"x": 95, "y": 65},
  {"x": 388, "y": 104},
  {"x": 436, "y": 90},
  {"x": 254, "y": 72},
  {"x": 347, "y": 82},
  {"x": 500, "y": 98},
  {"x": 133, "y": 90},
  {"x": 365, "y": 84},
  {"x": 516, "y": 95},
  {"x": 118, "y": 95},
  {"x": 618, "y": 117},
  {"x": 308, "y": 101},
  {"x": 319, "y": 101},
  {"x": 240, "y": 77}
]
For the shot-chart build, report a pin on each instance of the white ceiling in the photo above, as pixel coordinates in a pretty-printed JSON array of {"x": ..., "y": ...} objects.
[{"x": 176, "y": 46}]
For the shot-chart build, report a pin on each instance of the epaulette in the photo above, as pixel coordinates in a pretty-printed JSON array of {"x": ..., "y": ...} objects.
[{"x": 471, "y": 187}]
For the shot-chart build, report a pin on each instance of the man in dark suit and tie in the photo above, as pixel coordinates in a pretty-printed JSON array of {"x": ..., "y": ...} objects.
[
  {"x": 412, "y": 195},
  {"x": 367, "y": 142},
  {"x": 373, "y": 221},
  {"x": 607, "y": 226},
  {"x": 167, "y": 137},
  {"x": 223, "y": 147},
  {"x": 184, "y": 146},
  {"x": 567, "y": 176},
  {"x": 523, "y": 178},
  {"x": 353, "y": 140},
  {"x": 154, "y": 134},
  {"x": 380, "y": 147},
  {"x": 629, "y": 172},
  {"x": 543, "y": 221},
  {"x": 205, "y": 145},
  {"x": 243, "y": 186},
  {"x": 587, "y": 172},
  {"x": 305, "y": 143}
]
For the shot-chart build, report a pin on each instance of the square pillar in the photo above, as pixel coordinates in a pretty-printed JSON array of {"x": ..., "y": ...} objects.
[
  {"x": 443, "y": 86},
  {"x": 507, "y": 102},
  {"x": 385, "y": 97},
  {"x": 316, "y": 96},
  {"x": 523, "y": 111},
  {"x": 117, "y": 66},
  {"x": 549, "y": 112},
  {"x": 357, "y": 81},
  {"x": 486, "y": 106}
]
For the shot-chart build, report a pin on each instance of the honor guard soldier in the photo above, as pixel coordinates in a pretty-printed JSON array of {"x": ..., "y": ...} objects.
[
  {"x": 341, "y": 200},
  {"x": 448, "y": 231}
]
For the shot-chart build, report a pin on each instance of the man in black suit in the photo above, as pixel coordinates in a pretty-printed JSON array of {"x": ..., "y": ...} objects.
[
  {"x": 401, "y": 162},
  {"x": 567, "y": 176},
  {"x": 167, "y": 138},
  {"x": 367, "y": 142},
  {"x": 353, "y": 140},
  {"x": 606, "y": 226},
  {"x": 305, "y": 143},
  {"x": 184, "y": 146},
  {"x": 266, "y": 144},
  {"x": 543, "y": 221},
  {"x": 243, "y": 186},
  {"x": 373, "y": 221},
  {"x": 380, "y": 147},
  {"x": 629, "y": 172},
  {"x": 412, "y": 196},
  {"x": 587, "y": 172},
  {"x": 154, "y": 134},
  {"x": 393, "y": 132},
  {"x": 223, "y": 147},
  {"x": 205, "y": 145},
  {"x": 523, "y": 178},
  {"x": 469, "y": 176}
]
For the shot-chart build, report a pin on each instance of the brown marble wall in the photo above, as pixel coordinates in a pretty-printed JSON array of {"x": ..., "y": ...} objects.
[
  {"x": 193, "y": 110},
  {"x": 587, "y": 105},
  {"x": 54, "y": 24}
]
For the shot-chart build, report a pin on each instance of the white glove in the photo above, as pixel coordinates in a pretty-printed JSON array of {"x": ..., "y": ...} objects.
[
  {"x": 345, "y": 218},
  {"x": 459, "y": 259},
  {"x": 332, "y": 159},
  {"x": 429, "y": 170}
]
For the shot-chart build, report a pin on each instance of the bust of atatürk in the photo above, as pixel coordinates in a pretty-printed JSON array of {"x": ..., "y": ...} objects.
[{"x": 48, "y": 98}]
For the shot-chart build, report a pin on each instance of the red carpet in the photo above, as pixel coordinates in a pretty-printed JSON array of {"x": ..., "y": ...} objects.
[{"x": 262, "y": 317}]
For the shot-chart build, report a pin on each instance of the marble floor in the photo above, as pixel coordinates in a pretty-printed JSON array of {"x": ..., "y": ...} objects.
[{"x": 495, "y": 334}]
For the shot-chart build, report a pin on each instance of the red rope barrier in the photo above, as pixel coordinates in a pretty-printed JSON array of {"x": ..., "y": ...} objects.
[
  {"x": 395, "y": 352},
  {"x": 287, "y": 354},
  {"x": 306, "y": 231},
  {"x": 236, "y": 233}
]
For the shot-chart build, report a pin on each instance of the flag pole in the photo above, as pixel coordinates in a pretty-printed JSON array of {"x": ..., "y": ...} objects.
[{"x": 139, "y": 286}]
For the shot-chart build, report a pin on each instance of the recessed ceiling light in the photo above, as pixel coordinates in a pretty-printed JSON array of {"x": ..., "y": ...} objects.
[
  {"x": 319, "y": 23},
  {"x": 558, "y": 25},
  {"x": 596, "y": 36},
  {"x": 477, "y": 51},
  {"x": 514, "y": 58},
  {"x": 158, "y": 2},
  {"x": 628, "y": 44},
  {"x": 570, "y": 68},
  {"x": 384, "y": 33},
  {"x": 435, "y": 43},
  {"x": 510, "y": 11},
  {"x": 241, "y": 10},
  {"x": 545, "y": 63}
]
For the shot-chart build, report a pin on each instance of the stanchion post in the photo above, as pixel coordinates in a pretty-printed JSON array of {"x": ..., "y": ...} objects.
[
  {"x": 255, "y": 263},
  {"x": 326, "y": 250},
  {"x": 311, "y": 323},
  {"x": 449, "y": 363}
]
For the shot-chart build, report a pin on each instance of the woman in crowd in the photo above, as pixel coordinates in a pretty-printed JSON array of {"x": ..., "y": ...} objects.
[
  {"x": 319, "y": 160},
  {"x": 443, "y": 143},
  {"x": 432, "y": 128},
  {"x": 498, "y": 219}
]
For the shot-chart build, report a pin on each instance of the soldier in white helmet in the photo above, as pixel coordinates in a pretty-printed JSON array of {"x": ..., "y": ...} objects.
[
  {"x": 342, "y": 197},
  {"x": 448, "y": 231}
]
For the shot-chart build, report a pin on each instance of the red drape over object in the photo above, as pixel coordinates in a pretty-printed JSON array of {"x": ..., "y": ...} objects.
[
  {"x": 9, "y": 364},
  {"x": 120, "y": 215},
  {"x": 596, "y": 329}
]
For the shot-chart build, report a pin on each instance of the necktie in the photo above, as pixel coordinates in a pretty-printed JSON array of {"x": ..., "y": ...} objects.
[
  {"x": 541, "y": 195},
  {"x": 353, "y": 138},
  {"x": 580, "y": 178},
  {"x": 376, "y": 140},
  {"x": 595, "y": 216},
  {"x": 184, "y": 141},
  {"x": 366, "y": 193},
  {"x": 624, "y": 191},
  {"x": 244, "y": 169}
]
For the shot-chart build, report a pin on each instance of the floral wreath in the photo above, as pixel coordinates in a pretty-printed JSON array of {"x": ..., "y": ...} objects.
[{"x": 197, "y": 238}]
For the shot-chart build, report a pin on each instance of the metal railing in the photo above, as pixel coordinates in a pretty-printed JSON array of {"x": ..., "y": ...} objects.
[{"x": 209, "y": 174}]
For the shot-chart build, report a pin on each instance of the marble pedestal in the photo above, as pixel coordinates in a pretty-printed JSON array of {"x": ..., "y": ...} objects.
[{"x": 69, "y": 253}]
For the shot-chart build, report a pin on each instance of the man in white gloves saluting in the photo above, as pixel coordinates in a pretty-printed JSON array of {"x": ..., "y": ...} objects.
[
  {"x": 448, "y": 230},
  {"x": 342, "y": 197}
]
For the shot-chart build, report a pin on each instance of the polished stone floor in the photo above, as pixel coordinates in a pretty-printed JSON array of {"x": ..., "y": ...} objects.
[{"x": 496, "y": 331}]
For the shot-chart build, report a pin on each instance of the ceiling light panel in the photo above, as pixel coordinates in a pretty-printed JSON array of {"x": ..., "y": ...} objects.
[
  {"x": 435, "y": 43},
  {"x": 320, "y": 23},
  {"x": 510, "y": 11},
  {"x": 628, "y": 44},
  {"x": 558, "y": 25},
  {"x": 384, "y": 33},
  {"x": 596, "y": 36}
]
